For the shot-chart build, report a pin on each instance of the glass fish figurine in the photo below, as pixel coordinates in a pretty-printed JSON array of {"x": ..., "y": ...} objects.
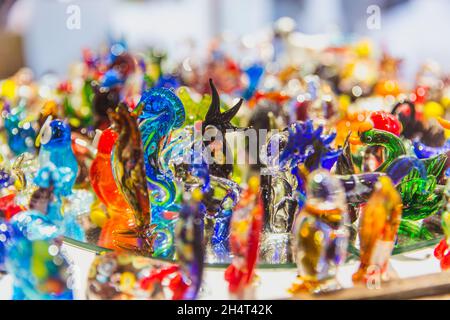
[
  {"x": 320, "y": 234},
  {"x": 245, "y": 233},
  {"x": 56, "y": 147},
  {"x": 380, "y": 220}
]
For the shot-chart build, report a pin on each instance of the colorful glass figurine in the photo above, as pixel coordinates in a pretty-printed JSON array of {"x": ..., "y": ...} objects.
[
  {"x": 32, "y": 251},
  {"x": 245, "y": 232},
  {"x": 104, "y": 185},
  {"x": 424, "y": 151},
  {"x": 254, "y": 74},
  {"x": 320, "y": 234},
  {"x": 121, "y": 276},
  {"x": 442, "y": 251},
  {"x": 190, "y": 247},
  {"x": 378, "y": 228},
  {"x": 33, "y": 257},
  {"x": 20, "y": 131},
  {"x": 184, "y": 157},
  {"x": 417, "y": 191},
  {"x": 304, "y": 149},
  {"x": 56, "y": 147},
  {"x": 217, "y": 121},
  {"x": 195, "y": 111},
  {"x": 160, "y": 111},
  {"x": 129, "y": 173},
  {"x": 385, "y": 121}
]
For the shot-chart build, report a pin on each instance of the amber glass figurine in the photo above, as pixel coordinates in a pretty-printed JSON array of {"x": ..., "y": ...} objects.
[
  {"x": 129, "y": 173},
  {"x": 378, "y": 228}
]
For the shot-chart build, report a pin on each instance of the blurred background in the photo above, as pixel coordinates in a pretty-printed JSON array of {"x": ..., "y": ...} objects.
[{"x": 47, "y": 35}]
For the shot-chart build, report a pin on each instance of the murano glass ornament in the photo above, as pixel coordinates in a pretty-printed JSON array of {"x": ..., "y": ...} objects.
[
  {"x": 19, "y": 128},
  {"x": 32, "y": 253},
  {"x": 195, "y": 110},
  {"x": 320, "y": 234},
  {"x": 393, "y": 145},
  {"x": 33, "y": 257},
  {"x": 417, "y": 190},
  {"x": 378, "y": 229},
  {"x": 245, "y": 233},
  {"x": 190, "y": 247},
  {"x": 185, "y": 159},
  {"x": 105, "y": 187},
  {"x": 56, "y": 147},
  {"x": 160, "y": 112},
  {"x": 424, "y": 151},
  {"x": 414, "y": 127},
  {"x": 122, "y": 276},
  {"x": 129, "y": 174},
  {"x": 291, "y": 154},
  {"x": 442, "y": 250},
  {"x": 254, "y": 74},
  {"x": 53, "y": 183},
  {"x": 385, "y": 121},
  {"x": 217, "y": 122}
]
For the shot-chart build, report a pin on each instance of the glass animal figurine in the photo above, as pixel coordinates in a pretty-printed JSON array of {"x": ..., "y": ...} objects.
[
  {"x": 320, "y": 234},
  {"x": 122, "y": 276},
  {"x": 56, "y": 147},
  {"x": 190, "y": 247},
  {"x": 129, "y": 173},
  {"x": 442, "y": 251},
  {"x": 380, "y": 220},
  {"x": 104, "y": 185},
  {"x": 31, "y": 248},
  {"x": 245, "y": 233}
]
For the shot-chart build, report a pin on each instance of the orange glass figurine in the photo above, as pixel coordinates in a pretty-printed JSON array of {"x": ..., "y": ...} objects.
[
  {"x": 245, "y": 232},
  {"x": 378, "y": 228},
  {"x": 104, "y": 185}
]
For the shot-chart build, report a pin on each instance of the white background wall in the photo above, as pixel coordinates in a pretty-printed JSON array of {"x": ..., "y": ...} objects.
[{"x": 415, "y": 30}]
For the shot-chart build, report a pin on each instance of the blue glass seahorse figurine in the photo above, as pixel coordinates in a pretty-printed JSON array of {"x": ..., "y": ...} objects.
[{"x": 160, "y": 112}]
